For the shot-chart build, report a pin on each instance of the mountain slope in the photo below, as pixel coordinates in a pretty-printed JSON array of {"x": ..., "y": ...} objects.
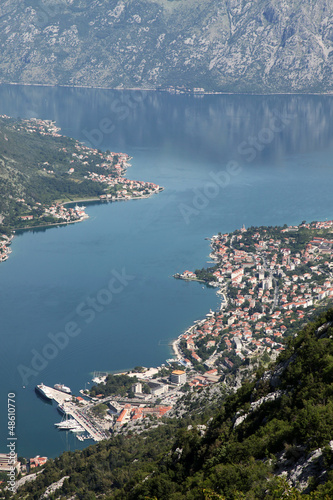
[
  {"x": 272, "y": 435},
  {"x": 27, "y": 147},
  {"x": 229, "y": 45}
]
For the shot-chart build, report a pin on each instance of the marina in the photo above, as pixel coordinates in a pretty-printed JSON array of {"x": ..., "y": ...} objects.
[
  {"x": 75, "y": 419},
  {"x": 52, "y": 394}
]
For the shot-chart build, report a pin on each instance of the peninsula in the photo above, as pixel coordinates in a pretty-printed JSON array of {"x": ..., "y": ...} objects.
[{"x": 41, "y": 171}]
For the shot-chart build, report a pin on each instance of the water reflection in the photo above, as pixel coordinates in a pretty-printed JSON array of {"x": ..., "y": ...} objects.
[{"x": 211, "y": 127}]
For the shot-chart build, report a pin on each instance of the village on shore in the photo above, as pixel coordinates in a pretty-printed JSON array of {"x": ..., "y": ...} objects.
[
  {"x": 5, "y": 250},
  {"x": 106, "y": 168},
  {"x": 271, "y": 280}
]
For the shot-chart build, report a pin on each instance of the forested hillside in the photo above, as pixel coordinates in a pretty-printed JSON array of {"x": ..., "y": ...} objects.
[{"x": 272, "y": 439}]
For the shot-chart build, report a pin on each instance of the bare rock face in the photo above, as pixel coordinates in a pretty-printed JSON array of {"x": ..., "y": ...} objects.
[{"x": 227, "y": 45}]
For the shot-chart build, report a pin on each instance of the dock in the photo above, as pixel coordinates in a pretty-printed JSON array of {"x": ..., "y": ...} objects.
[
  {"x": 58, "y": 396},
  {"x": 71, "y": 409}
]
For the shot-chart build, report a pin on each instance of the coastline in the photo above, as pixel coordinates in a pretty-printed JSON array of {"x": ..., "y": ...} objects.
[
  {"x": 268, "y": 309},
  {"x": 87, "y": 216},
  {"x": 52, "y": 224},
  {"x": 62, "y": 202},
  {"x": 140, "y": 89},
  {"x": 174, "y": 343}
]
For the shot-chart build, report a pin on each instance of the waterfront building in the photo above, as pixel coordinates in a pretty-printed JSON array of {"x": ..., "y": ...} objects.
[
  {"x": 178, "y": 377},
  {"x": 7, "y": 462}
]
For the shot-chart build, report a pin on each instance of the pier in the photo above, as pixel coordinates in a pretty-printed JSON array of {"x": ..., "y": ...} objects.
[
  {"x": 58, "y": 396},
  {"x": 71, "y": 409}
]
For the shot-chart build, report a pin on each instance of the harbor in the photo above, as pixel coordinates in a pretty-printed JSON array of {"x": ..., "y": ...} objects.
[
  {"x": 75, "y": 417},
  {"x": 83, "y": 421}
]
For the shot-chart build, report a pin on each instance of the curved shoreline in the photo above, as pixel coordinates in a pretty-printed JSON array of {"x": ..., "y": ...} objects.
[
  {"x": 87, "y": 217},
  {"x": 212, "y": 92}
]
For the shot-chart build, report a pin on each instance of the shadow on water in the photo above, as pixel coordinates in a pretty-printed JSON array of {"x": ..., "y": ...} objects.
[{"x": 43, "y": 398}]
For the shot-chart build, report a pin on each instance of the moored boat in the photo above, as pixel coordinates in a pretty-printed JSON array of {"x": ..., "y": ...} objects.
[
  {"x": 62, "y": 388},
  {"x": 43, "y": 391},
  {"x": 61, "y": 409}
]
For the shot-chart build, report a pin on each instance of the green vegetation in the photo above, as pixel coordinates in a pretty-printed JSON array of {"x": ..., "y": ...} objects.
[
  {"x": 115, "y": 385},
  {"x": 34, "y": 165},
  {"x": 100, "y": 410},
  {"x": 139, "y": 369},
  {"x": 206, "y": 274},
  {"x": 3, "y": 476},
  {"x": 176, "y": 461},
  {"x": 165, "y": 371}
]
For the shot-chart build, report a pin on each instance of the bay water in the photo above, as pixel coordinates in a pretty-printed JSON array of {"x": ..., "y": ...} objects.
[{"x": 224, "y": 161}]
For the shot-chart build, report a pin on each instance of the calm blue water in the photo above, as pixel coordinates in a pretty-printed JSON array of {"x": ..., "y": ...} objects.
[{"x": 283, "y": 174}]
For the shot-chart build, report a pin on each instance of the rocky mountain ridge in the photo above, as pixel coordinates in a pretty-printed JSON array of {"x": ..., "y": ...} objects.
[{"x": 224, "y": 45}]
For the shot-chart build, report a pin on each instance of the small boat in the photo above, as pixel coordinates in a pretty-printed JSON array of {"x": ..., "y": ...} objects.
[{"x": 62, "y": 388}]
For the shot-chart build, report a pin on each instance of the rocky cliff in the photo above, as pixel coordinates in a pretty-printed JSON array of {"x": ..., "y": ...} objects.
[{"x": 226, "y": 45}]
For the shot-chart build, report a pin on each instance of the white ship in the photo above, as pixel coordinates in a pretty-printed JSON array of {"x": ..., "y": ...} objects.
[
  {"x": 62, "y": 388},
  {"x": 70, "y": 425},
  {"x": 77, "y": 429},
  {"x": 66, "y": 424},
  {"x": 61, "y": 409},
  {"x": 43, "y": 390}
]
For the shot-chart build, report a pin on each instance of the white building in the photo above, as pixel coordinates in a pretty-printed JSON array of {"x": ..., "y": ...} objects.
[
  {"x": 178, "y": 377},
  {"x": 157, "y": 389},
  {"x": 8, "y": 463},
  {"x": 137, "y": 388}
]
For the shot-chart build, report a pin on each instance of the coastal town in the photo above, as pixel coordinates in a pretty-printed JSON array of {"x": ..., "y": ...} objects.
[
  {"x": 72, "y": 164},
  {"x": 271, "y": 281},
  {"x": 125, "y": 189},
  {"x": 55, "y": 214}
]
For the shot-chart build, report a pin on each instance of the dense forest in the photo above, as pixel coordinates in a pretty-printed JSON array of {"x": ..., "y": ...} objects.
[
  {"x": 277, "y": 426},
  {"x": 34, "y": 165}
]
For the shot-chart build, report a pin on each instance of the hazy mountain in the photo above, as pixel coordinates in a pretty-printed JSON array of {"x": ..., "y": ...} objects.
[{"x": 232, "y": 45}]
